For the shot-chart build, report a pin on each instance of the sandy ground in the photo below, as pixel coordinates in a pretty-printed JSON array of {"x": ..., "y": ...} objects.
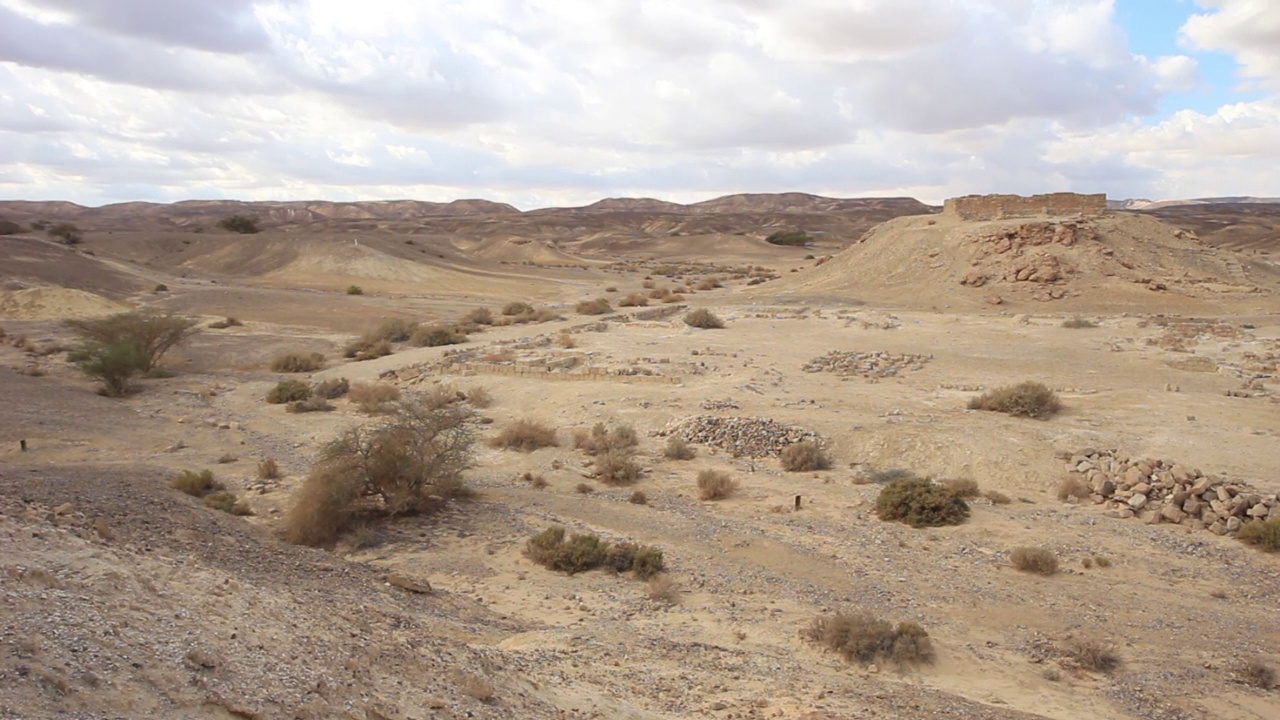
[{"x": 1184, "y": 608}]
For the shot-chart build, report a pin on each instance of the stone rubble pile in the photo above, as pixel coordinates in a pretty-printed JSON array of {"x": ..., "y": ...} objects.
[
  {"x": 878, "y": 364},
  {"x": 1164, "y": 491},
  {"x": 742, "y": 436}
]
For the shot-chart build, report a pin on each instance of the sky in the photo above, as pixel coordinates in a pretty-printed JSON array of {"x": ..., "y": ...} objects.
[{"x": 563, "y": 102}]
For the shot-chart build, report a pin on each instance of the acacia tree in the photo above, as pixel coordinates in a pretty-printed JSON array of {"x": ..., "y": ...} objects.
[{"x": 118, "y": 348}]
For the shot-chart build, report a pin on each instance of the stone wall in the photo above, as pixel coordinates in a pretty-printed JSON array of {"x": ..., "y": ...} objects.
[{"x": 996, "y": 207}]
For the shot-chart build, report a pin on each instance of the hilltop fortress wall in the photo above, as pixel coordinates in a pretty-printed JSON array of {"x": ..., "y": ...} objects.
[{"x": 996, "y": 207}]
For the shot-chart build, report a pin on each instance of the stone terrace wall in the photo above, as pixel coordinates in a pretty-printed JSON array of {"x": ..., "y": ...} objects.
[{"x": 996, "y": 207}]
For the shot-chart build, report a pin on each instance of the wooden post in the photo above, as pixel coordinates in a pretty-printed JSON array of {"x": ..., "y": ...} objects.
[
  {"x": 22, "y": 444},
  {"x": 797, "y": 502}
]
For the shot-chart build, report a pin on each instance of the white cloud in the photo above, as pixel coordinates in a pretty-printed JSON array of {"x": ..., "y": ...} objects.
[{"x": 1248, "y": 29}]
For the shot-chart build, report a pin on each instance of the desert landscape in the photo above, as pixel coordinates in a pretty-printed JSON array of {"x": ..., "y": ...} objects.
[{"x": 717, "y": 402}]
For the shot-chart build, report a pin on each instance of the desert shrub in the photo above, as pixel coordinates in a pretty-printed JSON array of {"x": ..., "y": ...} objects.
[
  {"x": 366, "y": 348},
  {"x": 1102, "y": 561},
  {"x": 1078, "y": 323},
  {"x": 858, "y": 636},
  {"x": 804, "y": 456},
  {"x": 113, "y": 364},
  {"x": 599, "y": 306},
  {"x": 920, "y": 503},
  {"x": 703, "y": 319},
  {"x": 582, "y": 552},
  {"x": 331, "y": 389},
  {"x": 160, "y": 287},
  {"x": 242, "y": 224},
  {"x": 1093, "y": 655},
  {"x": 409, "y": 463},
  {"x": 678, "y": 449},
  {"x": 1257, "y": 673},
  {"x": 648, "y": 284},
  {"x": 659, "y": 293},
  {"x": 715, "y": 485},
  {"x": 798, "y": 238},
  {"x": 296, "y": 361},
  {"x": 268, "y": 469},
  {"x": 707, "y": 284},
  {"x": 373, "y": 398},
  {"x": 478, "y": 316},
  {"x": 287, "y": 391},
  {"x": 517, "y": 307},
  {"x": 1027, "y": 399},
  {"x": 473, "y": 685},
  {"x": 66, "y": 233},
  {"x": 437, "y": 336},
  {"x": 311, "y": 404},
  {"x": 1039, "y": 560},
  {"x": 196, "y": 484},
  {"x": 1262, "y": 534},
  {"x": 962, "y": 487},
  {"x": 566, "y": 341},
  {"x": 9, "y": 227},
  {"x": 600, "y": 439},
  {"x": 584, "y": 489},
  {"x": 996, "y": 498},
  {"x": 664, "y": 589},
  {"x": 634, "y": 300},
  {"x": 617, "y": 467},
  {"x": 355, "y": 290},
  {"x": 673, "y": 298},
  {"x": 525, "y": 435},
  {"x": 392, "y": 330},
  {"x": 152, "y": 333},
  {"x": 478, "y": 397},
  {"x": 638, "y": 498},
  {"x": 226, "y": 459},
  {"x": 537, "y": 482},
  {"x": 888, "y": 475},
  {"x": 647, "y": 562},
  {"x": 1073, "y": 487},
  {"x": 225, "y": 323},
  {"x": 227, "y": 502}
]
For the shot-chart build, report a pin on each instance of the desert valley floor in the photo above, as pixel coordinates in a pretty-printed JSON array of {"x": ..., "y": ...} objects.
[{"x": 122, "y": 597}]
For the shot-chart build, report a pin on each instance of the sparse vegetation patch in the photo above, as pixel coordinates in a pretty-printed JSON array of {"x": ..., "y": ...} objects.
[
  {"x": 525, "y": 435},
  {"x": 1038, "y": 560},
  {"x": 861, "y": 637},
  {"x": 703, "y": 319},
  {"x": 920, "y": 503},
  {"x": 1027, "y": 399},
  {"x": 577, "y": 553},
  {"x": 297, "y": 362}
]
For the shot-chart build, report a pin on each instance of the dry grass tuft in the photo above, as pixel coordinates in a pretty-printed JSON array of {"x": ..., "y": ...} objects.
[
  {"x": 1262, "y": 534},
  {"x": 860, "y": 637},
  {"x": 962, "y": 487},
  {"x": 804, "y": 457},
  {"x": 1027, "y": 399},
  {"x": 1073, "y": 488},
  {"x": 634, "y": 300},
  {"x": 196, "y": 484},
  {"x": 715, "y": 485},
  {"x": 437, "y": 336},
  {"x": 664, "y": 589},
  {"x": 703, "y": 319},
  {"x": 600, "y": 438},
  {"x": 296, "y": 361},
  {"x": 1257, "y": 673},
  {"x": 525, "y": 435},
  {"x": 311, "y": 404},
  {"x": 1093, "y": 655},
  {"x": 638, "y": 498},
  {"x": 678, "y": 449},
  {"x": 331, "y": 389},
  {"x": 373, "y": 398},
  {"x": 478, "y": 397},
  {"x": 268, "y": 469},
  {"x": 617, "y": 467},
  {"x": 1039, "y": 560},
  {"x": 997, "y": 498},
  {"x": 1078, "y": 323},
  {"x": 599, "y": 306}
]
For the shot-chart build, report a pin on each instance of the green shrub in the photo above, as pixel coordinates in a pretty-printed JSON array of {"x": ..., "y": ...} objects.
[
  {"x": 715, "y": 485},
  {"x": 804, "y": 456},
  {"x": 151, "y": 332},
  {"x": 66, "y": 233},
  {"x": 797, "y": 238},
  {"x": 1027, "y": 399},
  {"x": 297, "y": 362},
  {"x": 227, "y": 502},
  {"x": 1079, "y": 323},
  {"x": 113, "y": 364},
  {"x": 311, "y": 404},
  {"x": 678, "y": 449},
  {"x": 355, "y": 290},
  {"x": 582, "y": 552},
  {"x": 287, "y": 391},
  {"x": 9, "y": 227},
  {"x": 196, "y": 484},
  {"x": 525, "y": 435},
  {"x": 242, "y": 224},
  {"x": 617, "y": 467},
  {"x": 437, "y": 336},
  {"x": 861, "y": 637},
  {"x": 1039, "y": 560},
  {"x": 599, "y": 306},
  {"x": 920, "y": 503},
  {"x": 1262, "y": 534},
  {"x": 703, "y": 319}
]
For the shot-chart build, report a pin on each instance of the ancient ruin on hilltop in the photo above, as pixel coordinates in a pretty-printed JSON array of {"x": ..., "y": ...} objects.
[{"x": 997, "y": 207}]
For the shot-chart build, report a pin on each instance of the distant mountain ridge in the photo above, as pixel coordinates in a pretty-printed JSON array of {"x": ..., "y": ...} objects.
[{"x": 1144, "y": 204}]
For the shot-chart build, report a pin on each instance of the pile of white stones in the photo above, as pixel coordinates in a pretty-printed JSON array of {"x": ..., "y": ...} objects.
[
  {"x": 1164, "y": 491},
  {"x": 742, "y": 436},
  {"x": 875, "y": 364}
]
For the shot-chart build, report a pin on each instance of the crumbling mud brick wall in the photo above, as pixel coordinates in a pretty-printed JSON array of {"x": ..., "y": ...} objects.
[{"x": 996, "y": 207}]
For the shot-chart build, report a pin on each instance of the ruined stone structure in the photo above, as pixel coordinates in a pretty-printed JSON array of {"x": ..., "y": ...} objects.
[{"x": 996, "y": 207}]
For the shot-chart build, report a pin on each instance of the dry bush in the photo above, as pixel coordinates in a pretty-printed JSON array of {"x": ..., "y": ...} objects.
[
  {"x": 600, "y": 439},
  {"x": 227, "y": 459},
  {"x": 634, "y": 300},
  {"x": 437, "y": 336},
  {"x": 638, "y": 498},
  {"x": 537, "y": 482},
  {"x": 599, "y": 306},
  {"x": 673, "y": 298},
  {"x": 525, "y": 435},
  {"x": 1257, "y": 673},
  {"x": 715, "y": 485},
  {"x": 409, "y": 463},
  {"x": 664, "y": 589},
  {"x": 962, "y": 487},
  {"x": 583, "y": 489},
  {"x": 1073, "y": 487},
  {"x": 474, "y": 686},
  {"x": 296, "y": 361},
  {"x": 707, "y": 284},
  {"x": 582, "y": 552},
  {"x": 996, "y": 498},
  {"x": 287, "y": 391},
  {"x": 225, "y": 323},
  {"x": 331, "y": 389},
  {"x": 268, "y": 469},
  {"x": 883, "y": 477},
  {"x": 227, "y": 502},
  {"x": 355, "y": 290},
  {"x": 479, "y": 316},
  {"x": 566, "y": 341},
  {"x": 1093, "y": 655},
  {"x": 478, "y": 397},
  {"x": 920, "y": 503},
  {"x": 648, "y": 284},
  {"x": 1102, "y": 561},
  {"x": 1262, "y": 534},
  {"x": 703, "y": 319},
  {"x": 1078, "y": 323},
  {"x": 617, "y": 467},
  {"x": 804, "y": 457},
  {"x": 310, "y": 405},
  {"x": 196, "y": 484},
  {"x": 659, "y": 293},
  {"x": 859, "y": 636},
  {"x": 1026, "y": 399},
  {"x": 392, "y": 330},
  {"x": 373, "y": 398},
  {"x": 1039, "y": 560},
  {"x": 516, "y": 307},
  {"x": 678, "y": 449}
]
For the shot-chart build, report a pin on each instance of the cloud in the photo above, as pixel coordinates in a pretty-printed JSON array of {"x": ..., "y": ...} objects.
[
  {"x": 1248, "y": 29},
  {"x": 228, "y": 26}
]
